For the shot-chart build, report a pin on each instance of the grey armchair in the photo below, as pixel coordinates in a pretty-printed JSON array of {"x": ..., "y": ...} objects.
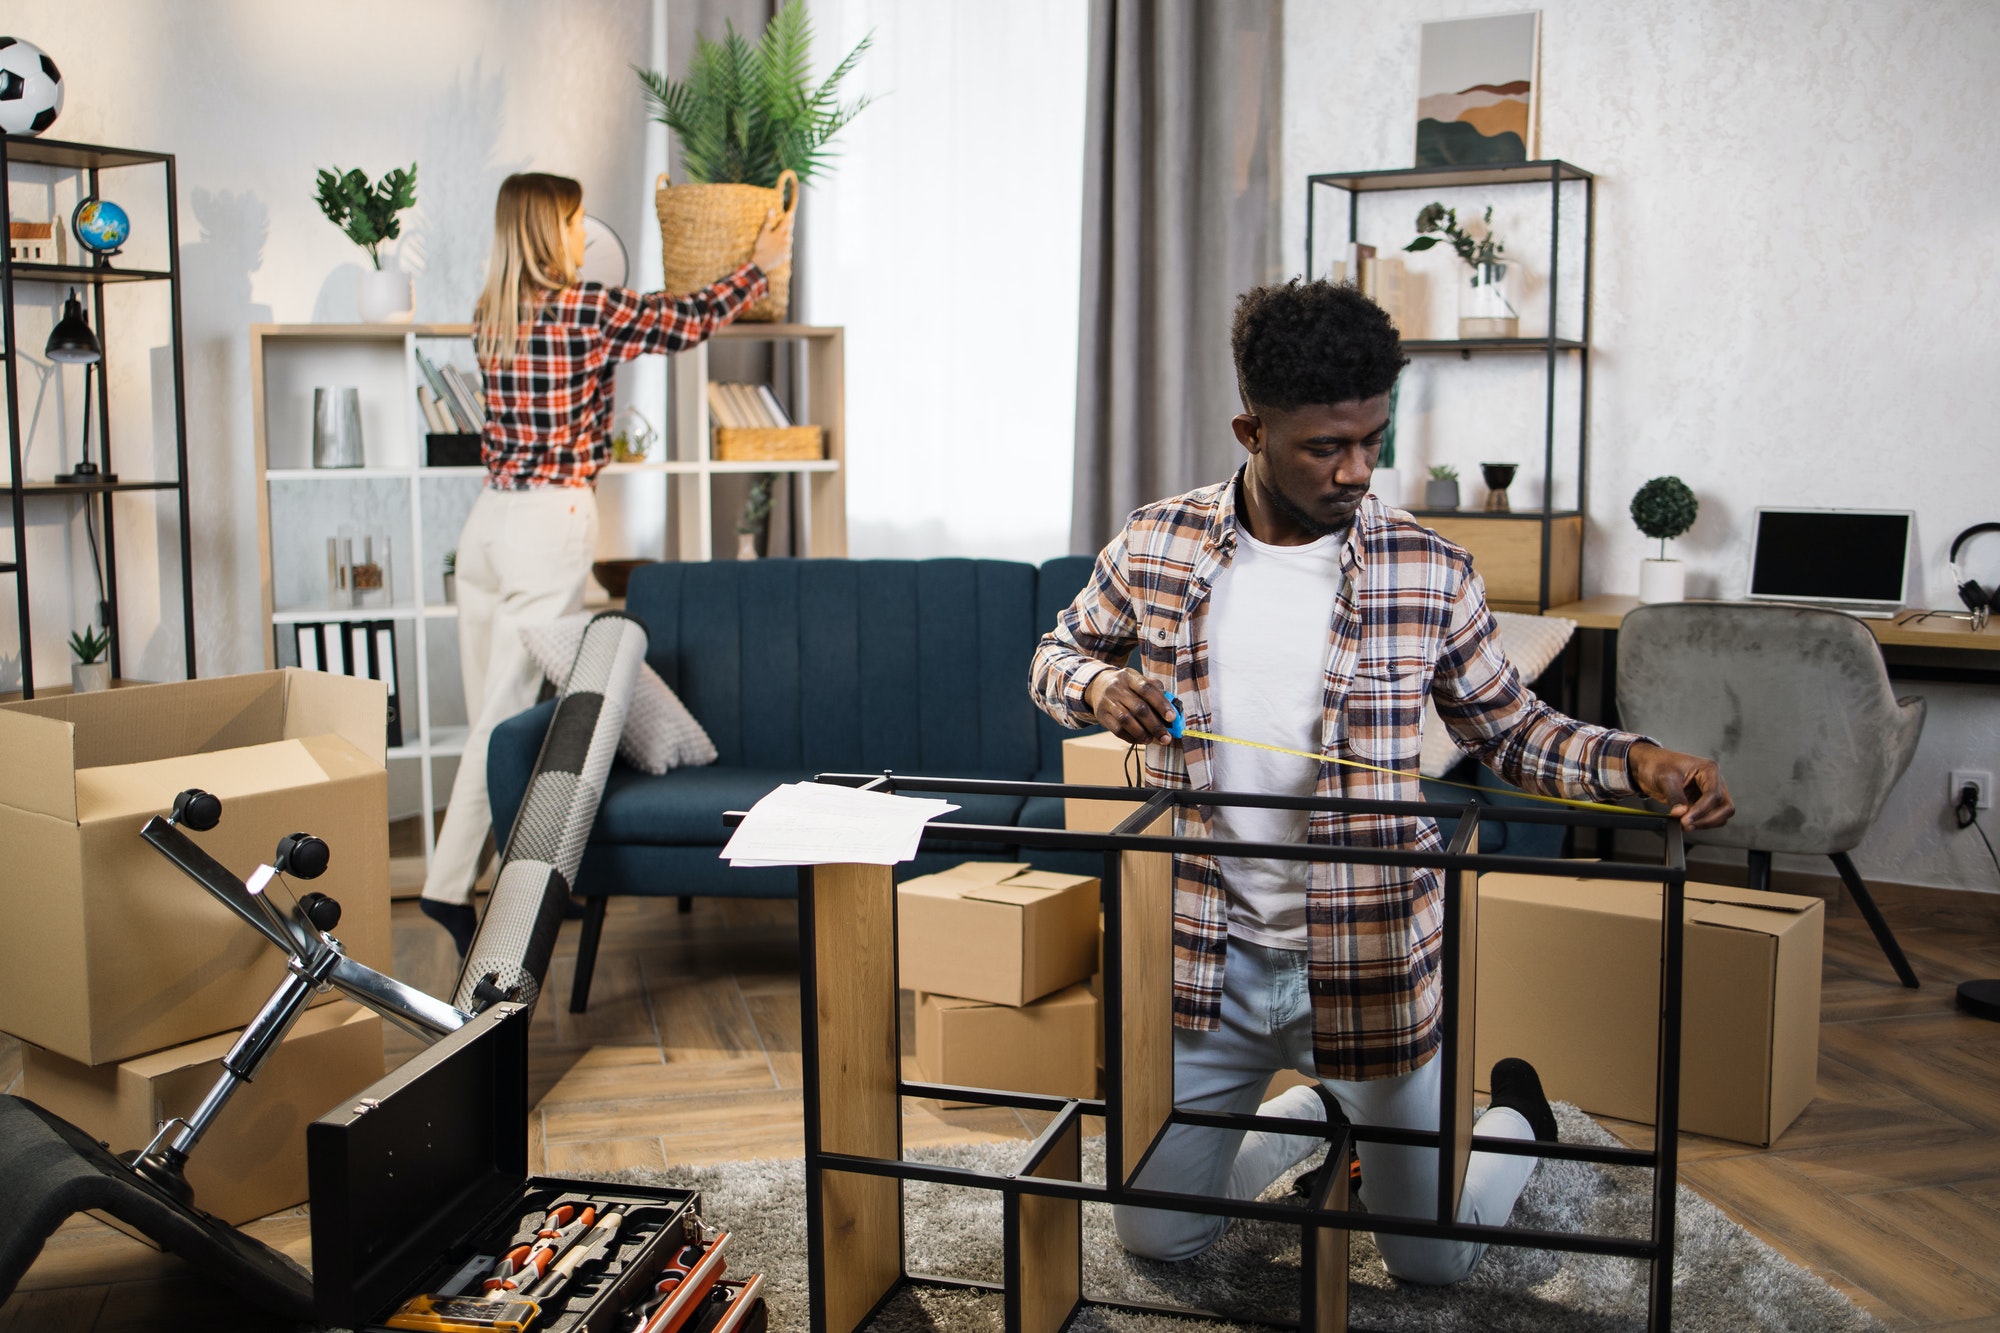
[{"x": 1794, "y": 703}]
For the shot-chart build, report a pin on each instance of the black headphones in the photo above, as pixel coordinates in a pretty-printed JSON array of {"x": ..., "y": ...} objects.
[{"x": 1978, "y": 599}]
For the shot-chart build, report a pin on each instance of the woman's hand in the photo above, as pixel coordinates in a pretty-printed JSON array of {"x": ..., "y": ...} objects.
[{"x": 774, "y": 244}]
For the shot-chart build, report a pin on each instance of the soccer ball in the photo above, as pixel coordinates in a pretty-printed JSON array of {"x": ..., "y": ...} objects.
[{"x": 31, "y": 88}]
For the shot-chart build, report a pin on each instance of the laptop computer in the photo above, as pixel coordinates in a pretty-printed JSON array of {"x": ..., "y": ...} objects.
[{"x": 1853, "y": 560}]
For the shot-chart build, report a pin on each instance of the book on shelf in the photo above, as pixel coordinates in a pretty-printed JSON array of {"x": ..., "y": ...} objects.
[
  {"x": 772, "y": 408},
  {"x": 465, "y": 397},
  {"x": 439, "y": 392},
  {"x": 435, "y": 420},
  {"x": 364, "y": 648},
  {"x": 746, "y": 406},
  {"x": 720, "y": 408}
]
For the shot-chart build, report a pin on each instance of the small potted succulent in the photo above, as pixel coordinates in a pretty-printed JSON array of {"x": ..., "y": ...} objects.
[
  {"x": 451, "y": 576},
  {"x": 367, "y": 215},
  {"x": 1484, "y": 308},
  {"x": 1441, "y": 491},
  {"x": 1663, "y": 509},
  {"x": 756, "y": 516},
  {"x": 90, "y": 671}
]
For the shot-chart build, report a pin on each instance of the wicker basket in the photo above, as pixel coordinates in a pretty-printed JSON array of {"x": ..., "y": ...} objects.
[
  {"x": 708, "y": 231},
  {"x": 769, "y": 444}
]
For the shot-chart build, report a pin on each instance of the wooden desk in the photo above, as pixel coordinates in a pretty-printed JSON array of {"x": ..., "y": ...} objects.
[{"x": 1916, "y": 645}]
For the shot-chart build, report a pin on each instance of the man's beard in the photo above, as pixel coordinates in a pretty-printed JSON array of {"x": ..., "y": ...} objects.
[{"x": 1318, "y": 527}]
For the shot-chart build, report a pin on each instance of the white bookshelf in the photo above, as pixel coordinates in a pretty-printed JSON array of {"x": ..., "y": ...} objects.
[{"x": 422, "y": 508}]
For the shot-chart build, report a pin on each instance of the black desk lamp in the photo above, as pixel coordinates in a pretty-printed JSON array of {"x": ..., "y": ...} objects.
[{"x": 72, "y": 343}]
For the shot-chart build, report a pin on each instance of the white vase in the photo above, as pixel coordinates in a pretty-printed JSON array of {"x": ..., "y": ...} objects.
[
  {"x": 746, "y": 546},
  {"x": 384, "y": 296},
  {"x": 89, "y": 677},
  {"x": 1662, "y": 581},
  {"x": 1486, "y": 303}
]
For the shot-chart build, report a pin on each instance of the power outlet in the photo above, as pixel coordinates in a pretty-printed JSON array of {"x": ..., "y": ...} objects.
[{"x": 1961, "y": 778}]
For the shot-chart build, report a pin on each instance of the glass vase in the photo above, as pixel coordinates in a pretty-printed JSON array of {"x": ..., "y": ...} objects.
[{"x": 1486, "y": 303}]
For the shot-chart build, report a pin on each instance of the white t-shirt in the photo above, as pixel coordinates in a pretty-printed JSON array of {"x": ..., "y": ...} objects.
[{"x": 1270, "y": 617}]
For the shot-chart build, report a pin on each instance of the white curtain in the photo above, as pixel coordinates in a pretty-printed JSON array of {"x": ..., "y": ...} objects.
[{"x": 947, "y": 240}]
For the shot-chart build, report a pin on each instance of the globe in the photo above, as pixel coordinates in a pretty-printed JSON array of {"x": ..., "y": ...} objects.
[{"x": 101, "y": 225}]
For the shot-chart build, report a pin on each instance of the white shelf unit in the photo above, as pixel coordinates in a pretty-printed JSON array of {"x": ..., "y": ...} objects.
[{"x": 287, "y": 361}]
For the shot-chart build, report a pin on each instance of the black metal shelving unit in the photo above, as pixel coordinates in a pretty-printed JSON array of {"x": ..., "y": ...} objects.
[
  {"x": 1553, "y": 175},
  {"x": 90, "y": 160}
]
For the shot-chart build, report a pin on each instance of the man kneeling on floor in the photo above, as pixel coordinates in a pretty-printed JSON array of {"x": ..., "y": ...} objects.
[{"x": 1289, "y": 606}]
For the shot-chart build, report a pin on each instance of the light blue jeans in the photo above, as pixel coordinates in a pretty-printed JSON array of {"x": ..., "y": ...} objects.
[{"x": 1266, "y": 1027}]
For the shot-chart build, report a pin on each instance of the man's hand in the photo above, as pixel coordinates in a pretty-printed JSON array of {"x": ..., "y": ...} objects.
[
  {"x": 1131, "y": 707},
  {"x": 1691, "y": 787}
]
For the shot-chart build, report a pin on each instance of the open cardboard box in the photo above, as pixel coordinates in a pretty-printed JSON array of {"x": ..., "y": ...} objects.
[
  {"x": 108, "y": 950},
  {"x": 1569, "y": 980}
]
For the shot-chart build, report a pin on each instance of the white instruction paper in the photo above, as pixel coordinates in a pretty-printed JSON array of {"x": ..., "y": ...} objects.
[{"x": 816, "y": 823}]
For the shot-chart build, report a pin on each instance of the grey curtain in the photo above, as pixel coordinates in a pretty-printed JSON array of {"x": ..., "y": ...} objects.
[{"x": 1180, "y": 212}]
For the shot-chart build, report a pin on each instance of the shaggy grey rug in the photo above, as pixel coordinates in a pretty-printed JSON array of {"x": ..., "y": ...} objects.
[{"x": 1725, "y": 1279}]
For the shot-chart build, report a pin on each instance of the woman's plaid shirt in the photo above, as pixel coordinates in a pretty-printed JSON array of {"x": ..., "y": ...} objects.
[
  {"x": 548, "y": 411},
  {"x": 1410, "y": 620}
]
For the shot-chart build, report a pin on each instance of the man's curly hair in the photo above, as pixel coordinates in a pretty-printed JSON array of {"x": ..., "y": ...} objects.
[{"x": 1312, "y": 342}]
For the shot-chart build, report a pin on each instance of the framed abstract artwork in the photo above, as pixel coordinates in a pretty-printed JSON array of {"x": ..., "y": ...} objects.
[{"x": 1479, "y": 90}]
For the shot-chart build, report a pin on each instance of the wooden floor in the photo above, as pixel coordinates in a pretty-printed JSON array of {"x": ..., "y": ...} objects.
[{"x": 1888, "y": 1186}]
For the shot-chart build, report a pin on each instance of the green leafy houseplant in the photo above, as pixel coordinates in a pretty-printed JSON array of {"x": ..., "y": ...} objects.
[
  {"x": 746, "y": 113},
  {"x": 367, "y": 213},
  {"x": 1664, "y": 508},
  {"x": 756, "y": 506},
  {"x": 1436, "y": 223},
  {"x": 1444, "y": 472},
  {"x": 89, "y": 644}
]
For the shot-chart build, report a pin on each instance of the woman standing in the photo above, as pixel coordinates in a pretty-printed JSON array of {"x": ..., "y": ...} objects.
[{"x": 548, "y": 346}]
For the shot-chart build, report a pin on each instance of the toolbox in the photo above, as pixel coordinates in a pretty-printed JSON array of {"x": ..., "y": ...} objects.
[{"x": 424, "y": 1215}]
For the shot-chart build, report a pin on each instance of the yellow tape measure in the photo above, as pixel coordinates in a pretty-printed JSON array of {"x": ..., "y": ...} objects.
[{"x": 1181, "y": 729}]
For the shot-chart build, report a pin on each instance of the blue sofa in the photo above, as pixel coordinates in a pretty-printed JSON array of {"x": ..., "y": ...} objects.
[{"x": 797, "y": 667}]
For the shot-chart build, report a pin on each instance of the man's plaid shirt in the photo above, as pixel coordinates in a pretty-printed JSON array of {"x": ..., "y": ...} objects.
[
  {"x": 548, "y": 411},
  {"x": 1411, "y": 619}
]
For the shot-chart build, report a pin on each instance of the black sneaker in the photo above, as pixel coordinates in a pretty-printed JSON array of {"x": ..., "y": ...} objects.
[
  {"x": 1518, "y": 1087},
  {"x": 1307, "y": 1181},
  {"x": 458, "y": 918}
]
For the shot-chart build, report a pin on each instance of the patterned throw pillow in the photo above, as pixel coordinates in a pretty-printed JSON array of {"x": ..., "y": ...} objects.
[
  {"x": 659, "y": 732},
  {"x": 1531, "y": 644}
]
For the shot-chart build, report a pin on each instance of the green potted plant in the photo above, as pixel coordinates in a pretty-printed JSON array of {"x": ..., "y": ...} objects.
[
  {"x": 90, "y": 671},
  {"x": 1484, "y": 307},
  {"x": 1441, "y": 491},
  {"x": 750, "y": 123},
  {"x": 451, "y": 576},
  {"x": 756, "y": 516},
  {"x": 367, "y": 215},
  {"x": 1663, "y": 509}
]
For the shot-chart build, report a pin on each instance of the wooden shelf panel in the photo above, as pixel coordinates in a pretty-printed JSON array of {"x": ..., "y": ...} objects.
[
  {"x": 28, "y": 150},
  {"x": 1445, "y": 178},
  {"x": 61, "y": 274}
]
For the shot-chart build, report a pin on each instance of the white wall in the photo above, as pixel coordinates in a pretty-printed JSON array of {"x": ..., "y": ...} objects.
[
  {"x": 1794, "y": 302},
  {"x": 252, "y": 97},
  {"x": 948, "y": 240}
]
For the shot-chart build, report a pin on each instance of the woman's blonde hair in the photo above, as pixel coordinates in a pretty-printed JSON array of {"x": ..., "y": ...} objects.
[{"x": 530, "y": 258}]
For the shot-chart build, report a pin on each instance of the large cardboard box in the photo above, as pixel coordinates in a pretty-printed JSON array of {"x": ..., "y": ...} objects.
[
  {"x": 995, "y": 931},
  {"x": 1049, "y": 1046},
  {"x": 252, "y": 1162},
  {"x": 1096, "y": 760},
  {"x": 109, "y": 951},
  {"x": 1569, "y": 977}
]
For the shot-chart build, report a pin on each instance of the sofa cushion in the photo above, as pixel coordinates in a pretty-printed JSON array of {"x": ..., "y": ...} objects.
[{"x": 850, "y": 665}]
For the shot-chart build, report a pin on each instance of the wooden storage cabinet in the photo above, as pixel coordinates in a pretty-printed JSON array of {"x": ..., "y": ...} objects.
[{"x": 1507, "y": 552}]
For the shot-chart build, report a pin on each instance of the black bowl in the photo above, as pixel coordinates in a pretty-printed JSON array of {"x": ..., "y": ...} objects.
[{"x": 1499, "y": 476}]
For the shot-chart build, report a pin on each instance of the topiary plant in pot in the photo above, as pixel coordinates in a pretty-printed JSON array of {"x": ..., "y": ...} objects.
[
  {"x": 1663, "y": 509},
  {"x": 751, "y": 126}
]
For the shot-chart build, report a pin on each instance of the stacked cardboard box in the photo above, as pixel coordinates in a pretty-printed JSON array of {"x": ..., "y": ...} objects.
[
  {"x": 126, "y": 980},
  {"x": 999, "y": 956}
]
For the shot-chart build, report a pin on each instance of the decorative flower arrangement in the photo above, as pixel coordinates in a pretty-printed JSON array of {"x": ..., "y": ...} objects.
[
  {"x": 367, "y": 213},
  {"x": 1436, "y": 224}
]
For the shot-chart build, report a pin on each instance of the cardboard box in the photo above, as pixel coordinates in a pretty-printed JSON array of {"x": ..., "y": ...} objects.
[
  {"x": 1569, "y": 981},
  {"x": 107, "y": 949},
  {"x": 995, "y": 931},
  {"x": 1096, "y": 760},
  {"x": 1049, "y": 1046},
  {"x": 252, "y": 1161}
]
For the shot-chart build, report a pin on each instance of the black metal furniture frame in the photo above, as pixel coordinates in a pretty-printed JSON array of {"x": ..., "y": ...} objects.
[
  {"x": 1554, "y": 174},
  {"x": 853, "y": 1142},
  {"x": 91, "y": 159}
]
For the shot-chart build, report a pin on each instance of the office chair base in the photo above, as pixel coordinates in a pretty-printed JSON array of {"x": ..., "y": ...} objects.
[{"x": 1981, "y": 999}]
